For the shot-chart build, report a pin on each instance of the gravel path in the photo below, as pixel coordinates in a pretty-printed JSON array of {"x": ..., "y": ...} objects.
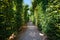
[{"x": 31, "y": 33}]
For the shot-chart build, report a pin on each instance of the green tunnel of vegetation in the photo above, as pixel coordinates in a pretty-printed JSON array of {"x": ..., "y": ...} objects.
[{"x": 44, "y": 13}]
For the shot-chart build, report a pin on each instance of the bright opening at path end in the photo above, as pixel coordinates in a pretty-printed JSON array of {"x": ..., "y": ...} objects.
[{"x": 28, "y": 2}]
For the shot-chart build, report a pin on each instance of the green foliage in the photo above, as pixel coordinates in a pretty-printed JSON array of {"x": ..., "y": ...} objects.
[
  {"x": 26, "y": 17},
  {"x": 53, "y": 15},
  {"x": 7, "y": 20},
  {"x": 48, "y": 17},
  {"x": 11, "y": 17}
]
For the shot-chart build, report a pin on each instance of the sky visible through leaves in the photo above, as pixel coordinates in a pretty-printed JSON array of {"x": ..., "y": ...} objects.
[{"x": 28, "y": 2}]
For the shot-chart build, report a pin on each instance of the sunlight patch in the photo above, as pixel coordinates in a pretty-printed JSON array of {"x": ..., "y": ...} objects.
[{"x": 41, "y": 34}]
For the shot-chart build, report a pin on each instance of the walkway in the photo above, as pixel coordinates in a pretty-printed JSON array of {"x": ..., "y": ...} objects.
[{"x": 31, "y": 33}]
